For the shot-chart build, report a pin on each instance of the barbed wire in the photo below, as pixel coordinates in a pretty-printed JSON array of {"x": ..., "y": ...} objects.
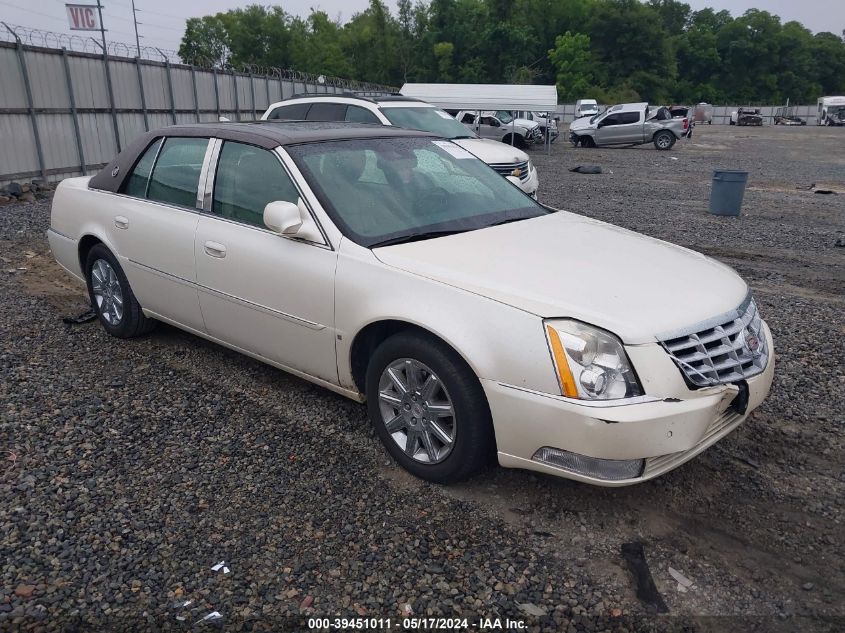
[{"x": 29, "y": 36}]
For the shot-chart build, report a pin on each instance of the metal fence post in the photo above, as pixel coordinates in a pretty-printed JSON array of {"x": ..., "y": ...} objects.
[
  {"x": 29, "y": 103},
  {"x": 170, "y": 88},
  {"x": 111, "y": 95},
  {"x": 267, "y": 87},
  {"x": 196, "y": 95},
  {"x": 216, "y": 93},
  {"x": 252, "y": 93},
  {"x": 237, "y": 100},
  {"x": 143, "y": 97},
  {"x": 76, "y": 131}
]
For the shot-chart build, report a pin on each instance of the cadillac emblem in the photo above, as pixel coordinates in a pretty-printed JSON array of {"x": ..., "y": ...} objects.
[{"x": 752, "y": 342}]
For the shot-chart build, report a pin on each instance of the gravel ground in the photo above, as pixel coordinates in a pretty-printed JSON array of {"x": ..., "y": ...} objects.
[{"x": 128, "y": 469}]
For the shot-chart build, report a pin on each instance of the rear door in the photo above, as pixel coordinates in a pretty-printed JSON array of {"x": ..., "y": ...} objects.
[
  {"x": 154, "y": 223},
  {"x": 262, "y": 292}
]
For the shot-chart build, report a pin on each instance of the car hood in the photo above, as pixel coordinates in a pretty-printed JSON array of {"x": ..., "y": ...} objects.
[
  {"x": 492, "y": 152},
  {"x": 565, "y": 265},
  {"x": 526, "y": 123},
  {"x": 580, "y": 124}
]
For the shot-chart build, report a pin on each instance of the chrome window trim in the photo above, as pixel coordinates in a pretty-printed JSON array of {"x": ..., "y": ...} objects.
[
  {"x": 201, "y": 186},
  {"x": 210, "y": 174}
]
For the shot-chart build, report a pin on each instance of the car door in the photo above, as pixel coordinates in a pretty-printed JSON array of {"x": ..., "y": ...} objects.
[
  {"x": 489, "y": 127},
  {"x": 155, "y": 219},
  {"x": 262, "y": 292}
]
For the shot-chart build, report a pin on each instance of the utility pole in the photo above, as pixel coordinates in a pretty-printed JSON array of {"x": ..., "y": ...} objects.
[
  {"x": 102, "y": 26},
  {"x": 135, "y": 21}
]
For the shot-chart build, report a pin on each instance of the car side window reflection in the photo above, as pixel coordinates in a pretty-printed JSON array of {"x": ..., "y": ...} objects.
[
  {"x": 177, "y": 171},
  {"x": 247, "y": 179}
]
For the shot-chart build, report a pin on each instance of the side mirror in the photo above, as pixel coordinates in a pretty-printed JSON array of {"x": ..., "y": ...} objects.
[
  {"x": 282, "y": 217},
  {"x": 514, "y": 181}
]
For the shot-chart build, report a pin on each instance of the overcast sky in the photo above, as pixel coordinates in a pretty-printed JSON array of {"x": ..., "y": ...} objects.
[{"x": 163, "y": 20}]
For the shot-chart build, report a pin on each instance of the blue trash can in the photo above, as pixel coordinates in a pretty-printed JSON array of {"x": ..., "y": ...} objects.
[{"x": 727, "y": 192}]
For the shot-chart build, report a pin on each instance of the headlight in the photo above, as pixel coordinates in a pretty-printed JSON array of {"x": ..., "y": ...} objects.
[{"x": 591, "y": 363}]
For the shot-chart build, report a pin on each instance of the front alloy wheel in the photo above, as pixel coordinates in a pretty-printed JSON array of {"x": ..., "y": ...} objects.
[
  {"x": 428, "y": 407},
  {"x": 417, "y": 411}
]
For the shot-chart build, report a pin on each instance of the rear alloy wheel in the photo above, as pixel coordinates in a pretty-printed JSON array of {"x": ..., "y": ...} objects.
[
  {"x": 428, "y": 408},
  {"x": 112, "y": 298},
  {"x": 664, "y": 140}
]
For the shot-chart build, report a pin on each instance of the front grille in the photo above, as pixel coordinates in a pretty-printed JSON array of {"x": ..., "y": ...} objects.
[
  {"x": 730, "y": 349},
  {"x": 507, "y": 169}
]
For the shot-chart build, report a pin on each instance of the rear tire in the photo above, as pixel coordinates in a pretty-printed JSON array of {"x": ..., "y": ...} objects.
[
  {"x": 664, "y": 140},
  {"x": 439, "y": 419},
  {"x": 111, "y": 296}
]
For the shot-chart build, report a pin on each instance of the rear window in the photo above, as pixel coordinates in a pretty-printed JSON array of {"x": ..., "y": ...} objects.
[
  {"x": 327, "y": 112},
  {"x": 293, "y": 112}
]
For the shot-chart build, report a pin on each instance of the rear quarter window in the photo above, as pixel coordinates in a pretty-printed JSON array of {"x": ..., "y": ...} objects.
[
  {"x": 327, "y": 112},
  {"x": 293, "y": 112}
]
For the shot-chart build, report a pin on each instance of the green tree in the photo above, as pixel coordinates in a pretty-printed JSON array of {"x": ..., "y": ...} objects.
[
  {"x": 573, "y": 62},
  {"x": 205, "y": 42}
]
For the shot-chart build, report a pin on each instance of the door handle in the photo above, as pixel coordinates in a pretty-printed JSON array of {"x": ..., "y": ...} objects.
[
  {"x": 215, "y": 249},
  {"x": 121, "y": 222}
]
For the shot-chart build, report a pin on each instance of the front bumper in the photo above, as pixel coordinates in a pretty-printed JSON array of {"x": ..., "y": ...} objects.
[
  {"x": 531, "y": 184},
  {"x": 664, "y": 432}
]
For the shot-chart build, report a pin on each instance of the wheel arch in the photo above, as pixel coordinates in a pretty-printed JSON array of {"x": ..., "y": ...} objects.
[
  {"x": 86, "y": 243},
  {"x": 369, "y": 337}
]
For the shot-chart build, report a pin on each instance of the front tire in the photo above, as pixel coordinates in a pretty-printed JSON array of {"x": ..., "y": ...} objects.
[
  {"x": 664, "y": 140},
  {"x": 111, "y": 296},
  {"x": 428, "y": 408}
]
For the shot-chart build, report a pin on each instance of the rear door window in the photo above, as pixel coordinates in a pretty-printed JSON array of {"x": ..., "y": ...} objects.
[
  {"x": 629, "y": 117},
  {"x": 327, "y": 112},
  {"x": 176, "y": 174},
  {"x": 357, "y": 114},
  {"x": 292, "y": 112},
  {"x": 136, "y": 184}
]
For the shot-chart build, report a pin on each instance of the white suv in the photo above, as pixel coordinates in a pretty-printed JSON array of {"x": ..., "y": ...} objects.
[{"x": 406, "y": 112}]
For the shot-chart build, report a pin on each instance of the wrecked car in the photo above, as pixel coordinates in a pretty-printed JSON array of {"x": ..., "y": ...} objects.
[
  {"x": 395, "y": 268},
  {"x": 786, "y": 116},
  {"x": 501, "y": 126},
  {"x": 746, "y": 116},
  {"x": 629, "y": 124}
]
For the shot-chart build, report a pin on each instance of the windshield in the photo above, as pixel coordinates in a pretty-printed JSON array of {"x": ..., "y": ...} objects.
[
  {"x": 385, "y": 189},
  {"x": 504, "y": 117},
  {"x": 431, "y": 120}
]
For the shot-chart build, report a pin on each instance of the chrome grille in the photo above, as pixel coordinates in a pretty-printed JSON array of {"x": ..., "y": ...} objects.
[
  {"x": 721, "y": 351},
  {"x": 507, "y": 169}
]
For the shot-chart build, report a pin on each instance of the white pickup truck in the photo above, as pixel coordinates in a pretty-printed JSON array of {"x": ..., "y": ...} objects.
[
  {"x": 501, "y": 126},
  {"x": 628, "y": 124}
]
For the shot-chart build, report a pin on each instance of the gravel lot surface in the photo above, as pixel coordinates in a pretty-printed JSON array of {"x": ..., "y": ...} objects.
[{"x": 129, "y": 468}]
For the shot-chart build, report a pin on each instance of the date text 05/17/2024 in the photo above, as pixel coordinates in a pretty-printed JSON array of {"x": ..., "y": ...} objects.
[{"x": 412, "y": 624}]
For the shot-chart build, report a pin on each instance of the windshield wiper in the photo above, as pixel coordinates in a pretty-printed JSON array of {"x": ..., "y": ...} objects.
[
  {"x": 416, "y": 237},
  {"x": 457, "y": 138}
]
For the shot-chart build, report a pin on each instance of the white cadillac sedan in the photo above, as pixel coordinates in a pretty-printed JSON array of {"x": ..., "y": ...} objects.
[{"x": 396, "y": 268}]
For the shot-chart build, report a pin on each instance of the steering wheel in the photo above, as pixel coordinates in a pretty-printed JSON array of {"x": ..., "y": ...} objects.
[{"x": 432, "y": 201}]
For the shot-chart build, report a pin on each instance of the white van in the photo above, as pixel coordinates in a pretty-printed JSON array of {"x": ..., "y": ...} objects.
[
  {"x": 831, "y": 111},
  {"x": 586, "y": 107}
]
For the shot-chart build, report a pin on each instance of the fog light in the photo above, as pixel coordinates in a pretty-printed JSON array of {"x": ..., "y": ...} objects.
[{"x": 609, "y": 469}]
